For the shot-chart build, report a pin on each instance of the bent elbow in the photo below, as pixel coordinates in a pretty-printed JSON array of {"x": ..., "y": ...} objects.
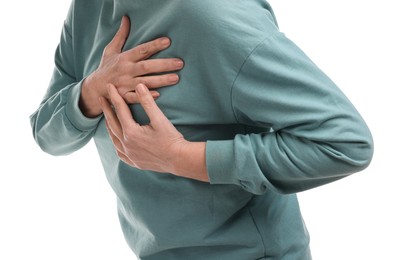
[
  {"x": 43, "y": 140},
  {"x": 54, "y": 150},
  {"x": 358, "y": 154},
  {"x": 52, "y": 142},
  {"x": 365, "y": 149},
  {"x": 365, "y": 153},
  {"x": 60, "y": 144}
]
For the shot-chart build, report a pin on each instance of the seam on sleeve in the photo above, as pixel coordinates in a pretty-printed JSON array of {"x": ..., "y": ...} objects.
[
  {"x": 72, "y": 46},
  {"x": 69, "y": 29},
  {"x": 269, "y": 37}
]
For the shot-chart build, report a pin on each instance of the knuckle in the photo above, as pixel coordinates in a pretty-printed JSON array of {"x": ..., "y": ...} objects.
[
  {"x": 106, "y": 50},
  {"x": 144, "y": 66},
  {"x": 130, "y": 135},
  {"x": 123, "y": 58},
  {"x": 117, "y": 81},
  {"x": 143, "y": 49},
  {"x": 142, "y": 80},
  {"x": 146, "y": 49},
  {"x": 117, "y": 106}
]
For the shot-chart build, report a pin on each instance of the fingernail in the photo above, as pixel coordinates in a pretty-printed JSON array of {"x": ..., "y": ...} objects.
[
  {"x": 122, "y": 21},
  {"x": 141, "y": 89},
  {"x": 174, "y": 78},
  {"x": 179, "y": 63},
  {"x": 165, "y": 41}
]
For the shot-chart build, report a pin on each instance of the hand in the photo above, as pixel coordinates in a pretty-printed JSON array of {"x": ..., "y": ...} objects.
[
  {"x": 157, "y": 146},
  {"x": 126, "y": 69}
]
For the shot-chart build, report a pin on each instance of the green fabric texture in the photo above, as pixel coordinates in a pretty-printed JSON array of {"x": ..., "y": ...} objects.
[{"x": 274, "y": 124}]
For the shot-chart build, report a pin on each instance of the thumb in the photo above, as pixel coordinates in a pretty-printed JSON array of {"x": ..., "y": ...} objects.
[{"x": 119, "y": 40}]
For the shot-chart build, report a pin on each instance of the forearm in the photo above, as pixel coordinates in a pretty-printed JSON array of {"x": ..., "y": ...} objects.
[
  {"x": 58, "y": 126},
  {"x": 282, "y": 162}
]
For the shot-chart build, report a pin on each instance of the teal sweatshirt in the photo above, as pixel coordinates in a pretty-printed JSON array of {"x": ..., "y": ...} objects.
[{"x": 274, "y": 124}]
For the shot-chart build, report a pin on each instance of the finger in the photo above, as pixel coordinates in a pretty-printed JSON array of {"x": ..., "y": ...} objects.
[
  {"x": 112, "y": 122},
  {"x": 152, "y": 82},
  {"x": 122, "y": 111},
  {"x": 146, "y": 67},
  {"x": 115, "y": 140},
  {"x": 119, "y": 40},
  {"x": 126, "y": 159},
  {"x": 150, "y": 107},
  {"x": 146, "y": 50},
  {"x": 158, "y": 81},
  {"x": 119, "y": 147},
  {"x": 132, "y": 98}
]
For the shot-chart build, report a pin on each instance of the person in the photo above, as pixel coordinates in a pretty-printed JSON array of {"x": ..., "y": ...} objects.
[{"x": 207, "y": 119}]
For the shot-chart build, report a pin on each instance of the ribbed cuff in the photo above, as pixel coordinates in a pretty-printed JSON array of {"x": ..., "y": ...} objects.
[{"x": 220, "y": 162}]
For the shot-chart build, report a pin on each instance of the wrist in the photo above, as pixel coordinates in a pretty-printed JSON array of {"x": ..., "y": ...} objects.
[
  {"x": 190, "y": 161},
  {"x": 88, "y": 102}
]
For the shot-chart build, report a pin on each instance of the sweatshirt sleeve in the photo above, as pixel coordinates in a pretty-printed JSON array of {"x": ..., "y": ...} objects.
[
  {"x": 58, "y": 125},
  {"x": 317, "y": 135}
]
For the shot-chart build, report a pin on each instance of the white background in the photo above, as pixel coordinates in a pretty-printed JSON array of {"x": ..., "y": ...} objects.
[{"x": 63, "y": 207}]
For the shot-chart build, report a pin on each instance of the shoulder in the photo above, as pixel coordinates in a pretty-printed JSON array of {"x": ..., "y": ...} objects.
[
  {"x": 233, "y": 28},
  {"x": 81, "y": 10},
  {"x": 238, "y": 20}
]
